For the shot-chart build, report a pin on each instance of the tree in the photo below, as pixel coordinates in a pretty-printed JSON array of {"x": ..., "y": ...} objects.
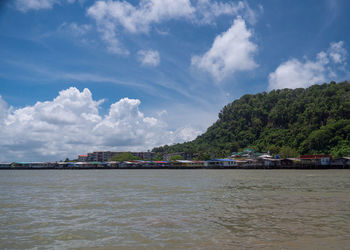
[
  {"x": 288, "y": 152},
  {"x": 311, "y": 120},
  {"x": 342, "y": 149},
  {"x": 176, "y": 157},
  {"x": 202, "y": 157},
  {"x": 125, "y": 156}
]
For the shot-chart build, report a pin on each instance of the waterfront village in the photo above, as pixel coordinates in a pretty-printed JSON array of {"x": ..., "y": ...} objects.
[{"x": 246, "y": 159}]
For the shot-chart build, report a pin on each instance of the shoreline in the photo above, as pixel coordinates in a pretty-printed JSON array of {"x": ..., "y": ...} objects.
[{"x": 294, "y": 167}]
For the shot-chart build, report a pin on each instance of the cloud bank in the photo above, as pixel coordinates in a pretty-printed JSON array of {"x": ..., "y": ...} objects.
[
  {"x": 71, "y": 124},
  {"x": 114, "y": 17},
  {"x": 296, "y": 73}
]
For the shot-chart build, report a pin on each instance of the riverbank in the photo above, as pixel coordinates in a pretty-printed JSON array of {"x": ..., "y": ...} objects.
[{"x": 251, "y": 167}]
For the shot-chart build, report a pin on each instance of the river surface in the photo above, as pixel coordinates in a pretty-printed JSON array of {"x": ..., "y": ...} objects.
[{"x": 175, "y": 209}]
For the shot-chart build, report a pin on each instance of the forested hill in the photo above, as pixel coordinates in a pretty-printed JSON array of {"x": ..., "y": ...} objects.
[{"x": 288, "y": 122}]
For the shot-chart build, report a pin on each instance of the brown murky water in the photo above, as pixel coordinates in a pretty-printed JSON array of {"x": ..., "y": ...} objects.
[{"x": 175, "y": 209}]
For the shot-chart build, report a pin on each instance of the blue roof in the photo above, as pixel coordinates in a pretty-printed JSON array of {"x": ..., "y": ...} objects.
[{"x": 221, "y": 159}]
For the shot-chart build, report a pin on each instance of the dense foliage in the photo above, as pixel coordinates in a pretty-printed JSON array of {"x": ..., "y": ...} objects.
[
  {"x": 125, "y": 156},
  {"x": 288, "y": 122}
]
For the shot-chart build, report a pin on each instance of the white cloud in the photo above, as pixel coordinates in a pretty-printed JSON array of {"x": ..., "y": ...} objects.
[
  {"x": 27, "y": 5},
  {"x": 337, "y": 52},
  {"x": 114, "y": 16},
  {"x": 3, "y": 110},
  {"x": 139, "y": 18},
  {"x": 110, "y": 15},
  {"x": 207, "y": 11},
  {"x": 231, "y": 51},
  {"x": 71, "y": 124},
  {"x": 300, "y": 74},
  {"x": 296, "y": 74},
  {"x": 75, "y": 29},
  {"x": 187, "y": 133},
  {"x": 149, "y": 57}
]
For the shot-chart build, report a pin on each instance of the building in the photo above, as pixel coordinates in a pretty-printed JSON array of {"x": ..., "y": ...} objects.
[
  {"x": 5, "y": 165},
  {"x": 270, "y": 162},
  {"x": 187, "y": 163},
  {"x": 103, "y": 156},
  {"x": 316, "y": 160},
  {"x": 250, "y": 153},
  {"x": 220, "y": 163},
  {"x": 82, "y": 157},
  {"x": 147, "y": 156},
  {"x": 35, "y": 165},
  {"x": 346, "y": 161},
  {"x": 290, "y": 162}
]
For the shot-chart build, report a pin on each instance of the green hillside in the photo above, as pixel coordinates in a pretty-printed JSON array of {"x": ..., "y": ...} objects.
[{"x": 288, "y": 122}]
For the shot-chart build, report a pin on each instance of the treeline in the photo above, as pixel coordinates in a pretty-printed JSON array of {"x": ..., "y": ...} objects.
[{"x": 286, "y": 122}]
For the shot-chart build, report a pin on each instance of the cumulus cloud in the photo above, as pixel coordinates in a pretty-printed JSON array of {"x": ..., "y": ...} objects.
[
  {"x": 27, "y": 5},
  {"x": 149, "y": 57},
  {"x": 71, "y": 124},
  {"x": 295, "y": 73},
  {"x": 230, "y": 52}
]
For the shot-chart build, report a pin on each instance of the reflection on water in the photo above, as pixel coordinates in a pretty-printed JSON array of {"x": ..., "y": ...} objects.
[{"x": 192, "y": 209}]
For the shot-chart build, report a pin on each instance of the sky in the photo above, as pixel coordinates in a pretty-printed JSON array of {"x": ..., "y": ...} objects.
[{"x": 78, "y": 76}]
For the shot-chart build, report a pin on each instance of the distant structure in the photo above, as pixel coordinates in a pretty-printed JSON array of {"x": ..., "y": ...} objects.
[
  {"x": 250, "y": 153},
  {"x": 315, "y": 159},
  {"x": 82, "y": 157},
  {"x": 103, "y": 156}
]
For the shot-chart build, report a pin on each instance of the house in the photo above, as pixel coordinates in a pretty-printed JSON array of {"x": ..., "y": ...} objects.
[
  {"x": 35, "y": 165},
  {"x": 346, "y": 160},
  {"x": 249, "y": 153},
  {"x": 343, "y": 162},
  {"x": 316, "y": 160},
  {"x": 113, "y": 164},
  {"x": 270, "y": 162},
  {"x": 160, "y": 163},
  {"x": 187, "y": 163},
  {"x": 135, "y": 164},
  {"x": 220, "y": 163},
  {"x": 290, "y": 162},
  {"x": 5, "y": 165},
  {"x": 266, "y": 155}
]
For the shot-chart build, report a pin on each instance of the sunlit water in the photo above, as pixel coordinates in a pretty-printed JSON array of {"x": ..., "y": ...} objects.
[{"x": 175, "y": 209}]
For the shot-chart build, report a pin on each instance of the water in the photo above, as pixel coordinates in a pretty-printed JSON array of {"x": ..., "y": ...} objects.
[{"x": 175, "y": 209}]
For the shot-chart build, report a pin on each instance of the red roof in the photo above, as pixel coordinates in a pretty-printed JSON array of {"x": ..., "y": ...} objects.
[
  {"x": 82, "y": 155},
  {"x": 311, "y": 157}
]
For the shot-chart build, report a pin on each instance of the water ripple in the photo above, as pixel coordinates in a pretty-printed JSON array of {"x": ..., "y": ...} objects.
[{"x": 200, "y": 209}]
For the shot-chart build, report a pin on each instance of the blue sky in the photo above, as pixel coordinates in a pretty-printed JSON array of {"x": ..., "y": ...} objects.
[{"x": 80, "y": 75}]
